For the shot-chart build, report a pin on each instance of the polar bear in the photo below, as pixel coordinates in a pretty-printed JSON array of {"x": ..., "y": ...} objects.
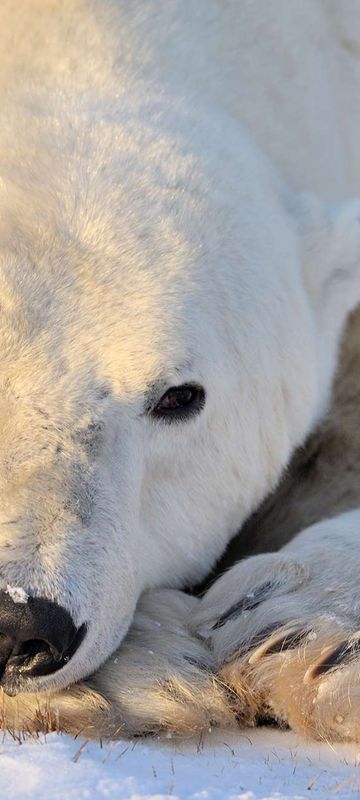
[{"x": 180, "y": 251}]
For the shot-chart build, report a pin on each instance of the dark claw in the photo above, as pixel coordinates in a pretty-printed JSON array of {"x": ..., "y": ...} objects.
[
  {"x": 247, "y": 603},
  {"x": 256, "y": 641},
  {"x": 286, "y": 641},
  {"x": 343, "y": 654}
]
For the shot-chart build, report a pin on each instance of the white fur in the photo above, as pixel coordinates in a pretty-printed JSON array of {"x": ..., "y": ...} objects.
[{"x": 152, "y": 234}]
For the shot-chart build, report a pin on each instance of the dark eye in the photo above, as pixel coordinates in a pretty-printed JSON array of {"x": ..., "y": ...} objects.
[{"x": 180, "y": 402}]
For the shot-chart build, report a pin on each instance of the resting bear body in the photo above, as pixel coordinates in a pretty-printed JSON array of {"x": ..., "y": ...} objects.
[{"x": 180, "y": 249}]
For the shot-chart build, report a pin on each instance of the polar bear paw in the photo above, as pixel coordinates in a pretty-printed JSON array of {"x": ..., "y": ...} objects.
[
  {"x": 162, "y": 679},
  {"x": 288, "y": 643}
]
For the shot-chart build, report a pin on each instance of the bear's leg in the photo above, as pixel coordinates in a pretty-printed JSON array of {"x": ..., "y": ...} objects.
[{"x": 285, "y": 631}]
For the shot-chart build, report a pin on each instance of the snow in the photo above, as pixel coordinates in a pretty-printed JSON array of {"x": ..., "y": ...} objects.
[
  {"x": 17, "y": 594},
  {"x": 251, "y": 765}
]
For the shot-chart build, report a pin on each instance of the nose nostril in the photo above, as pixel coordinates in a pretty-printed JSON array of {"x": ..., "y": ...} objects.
[
  {"x": 27, "y": 650},
  {"x": 36, "y": 647},
  {"x": 34, "y": 657}
]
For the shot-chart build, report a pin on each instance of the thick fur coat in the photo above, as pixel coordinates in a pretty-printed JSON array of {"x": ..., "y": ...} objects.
[{"x": 177, "y": 209}]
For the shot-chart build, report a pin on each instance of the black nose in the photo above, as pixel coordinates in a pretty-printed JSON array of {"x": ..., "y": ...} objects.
[{"x": 37, "y": 637}]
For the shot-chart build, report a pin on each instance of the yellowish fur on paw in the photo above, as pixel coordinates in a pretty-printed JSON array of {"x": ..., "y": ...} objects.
[
  {"x": 306, "y": 676},
  {"x": 283, "y": 629},
  {"x": 79, "y": 711}
]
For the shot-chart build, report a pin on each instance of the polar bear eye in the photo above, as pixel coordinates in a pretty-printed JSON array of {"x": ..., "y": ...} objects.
[{"x": 180, "y": 402}]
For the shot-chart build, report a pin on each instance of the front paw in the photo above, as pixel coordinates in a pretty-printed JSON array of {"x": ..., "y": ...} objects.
[
  {"x": 162, "y": 680},
  {"x": 281, "y": 649}
]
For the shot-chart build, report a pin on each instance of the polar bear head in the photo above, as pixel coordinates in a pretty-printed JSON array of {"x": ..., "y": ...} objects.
[{"x": 168, "y": 335}]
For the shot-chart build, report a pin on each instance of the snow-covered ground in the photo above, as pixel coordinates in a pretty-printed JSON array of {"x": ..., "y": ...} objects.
[{"x": 252, "y": 765}]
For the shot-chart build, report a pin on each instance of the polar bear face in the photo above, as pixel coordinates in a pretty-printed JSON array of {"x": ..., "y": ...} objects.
[{"x": 159, "y": 363}]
